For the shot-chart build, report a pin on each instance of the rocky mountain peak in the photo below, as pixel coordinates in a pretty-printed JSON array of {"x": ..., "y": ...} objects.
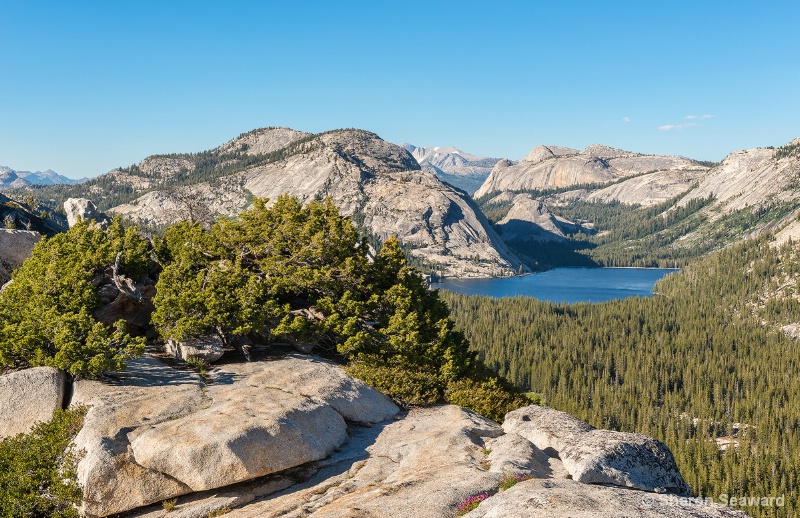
[
  {"x": 553, "y": 167},
  {"x": 262, "y": 140},
  {"x": 7, "y": 175},
  {"x": 541, "y": 153},
  {"x": 12, "y": 179},
  {"x": 368, "y": 150},
  {"x": 601, "y": 151},
  {"x": 751, "y": 178}
]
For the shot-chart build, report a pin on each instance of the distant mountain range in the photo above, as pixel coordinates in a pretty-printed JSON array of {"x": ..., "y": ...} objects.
[
  {"x": 460, "y": 169},
  {"x": 12, "y": 179}
]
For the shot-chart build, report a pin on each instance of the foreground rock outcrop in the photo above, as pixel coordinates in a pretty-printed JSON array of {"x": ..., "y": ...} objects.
[
  {"x": 563, "y": 498},
  {"x": 159, "y": 432},
  {"x": 29, "y": 396},
  {"x": 293, "y": 435},
  {"x": 599, "y": 456},
  {"x": 426, "y": 464}
]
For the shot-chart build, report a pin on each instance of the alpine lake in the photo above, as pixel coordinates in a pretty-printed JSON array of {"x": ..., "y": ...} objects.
[{"x": 565, "y": 284}]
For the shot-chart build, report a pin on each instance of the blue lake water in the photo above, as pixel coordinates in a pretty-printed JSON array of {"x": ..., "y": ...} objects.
[{"x": 565, "y": 284}]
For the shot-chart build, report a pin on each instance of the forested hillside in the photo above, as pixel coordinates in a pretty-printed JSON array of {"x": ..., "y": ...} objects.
[{"x": 693, "y": 366}]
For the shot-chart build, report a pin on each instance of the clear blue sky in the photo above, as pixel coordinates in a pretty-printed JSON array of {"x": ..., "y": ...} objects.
[{"x": 89, "y": 86}]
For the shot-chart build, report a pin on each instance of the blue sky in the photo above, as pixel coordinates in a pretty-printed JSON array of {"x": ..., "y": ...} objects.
[{"x": 89, "y": 86}]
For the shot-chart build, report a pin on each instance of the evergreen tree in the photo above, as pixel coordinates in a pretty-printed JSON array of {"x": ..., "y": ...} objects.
[{"x": 46, "y": 313}]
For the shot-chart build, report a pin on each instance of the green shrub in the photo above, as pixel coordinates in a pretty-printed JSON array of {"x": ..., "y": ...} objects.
[
  {"x": 245, "y": 276},
  {"x": 408, "y": 386},
  {"x": 169, "y": 505},
  {"x": 37, "y": 470},
  {"x": 46, "y": 314},
  {"x": 490, "y": 397}
]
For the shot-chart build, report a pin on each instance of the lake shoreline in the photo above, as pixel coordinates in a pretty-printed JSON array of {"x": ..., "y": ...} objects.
[{"x": 566, "y": 284}]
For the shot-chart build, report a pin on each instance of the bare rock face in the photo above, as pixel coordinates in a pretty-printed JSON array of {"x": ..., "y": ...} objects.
[
  {"x": 547, "y": 428},
  {"x": 427, "y": 464},
  {"x": 157, "y": 433},
  {"x": 164, "y": 166},
  {"x": 441, "y": 224},
  {"x": 750, "y": 178},
  {"x": 15, "y": 247},
  {"x": 623, "y": 459},
  {"x": 649, "y": 189},
  {"x": 529, "y": 219},
  {"x": 599, "y": 456},
  {"x": 29, "y": 396},
  {"x": 512, "y": 453},
  {"x": 82, "y": 209},
  {"x": 548, "y": 167},
  {"x": 244, "y": 434},
  {"x": 209, "y": 348},
  {"x": 146, "y": 393}
]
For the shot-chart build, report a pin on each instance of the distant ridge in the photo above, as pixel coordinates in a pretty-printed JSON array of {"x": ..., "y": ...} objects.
[
  {"x": 11, "y": 179},
  {"x": 555, "y": 167},
  {"x": 458, "y": 168}
]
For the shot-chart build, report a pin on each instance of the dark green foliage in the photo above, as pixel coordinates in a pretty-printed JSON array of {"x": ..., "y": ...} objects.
[
  {"x": 540, "y": 256},
  {"x": 300, "y": 273},
  {"x": 410, "y": 347},
  {"x": 246, "y": 276},
  {"x": 697, "y": 350},
  {"x": 667, "y": 235},
  {"x": 37, "y": 470},
  {"x": 629, "y": 235},
  {"x": 46, "y": 314}
]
